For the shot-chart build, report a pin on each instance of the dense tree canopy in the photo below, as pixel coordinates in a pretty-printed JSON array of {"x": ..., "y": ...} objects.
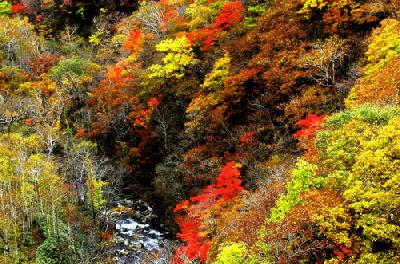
[{"x": 260, "y": 131}]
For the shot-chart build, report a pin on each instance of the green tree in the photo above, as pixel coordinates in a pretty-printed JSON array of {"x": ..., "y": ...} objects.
[
  {"x": 5, "y": 8},
  {"x": 358, "y": 159},
  {"x": 73, "y": 72}
]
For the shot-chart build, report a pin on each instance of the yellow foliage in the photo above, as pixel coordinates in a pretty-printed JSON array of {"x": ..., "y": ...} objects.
[
  {"x": 214, "y": 81},
  {"x": 44, "y": 86},
  {"x": 380, "y": 85},
  {"x": 179, "y": 56},
  {"x": 21, "y": 34},
  {"x": 384, "y": 46},
  {"x": 198, "y": 109}
]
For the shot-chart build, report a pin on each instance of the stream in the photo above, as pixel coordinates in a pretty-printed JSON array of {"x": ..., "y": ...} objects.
[{"x": 135, "y": 240}]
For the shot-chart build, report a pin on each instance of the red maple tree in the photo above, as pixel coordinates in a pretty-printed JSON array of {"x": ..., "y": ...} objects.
[
  {"x": 231, "y": 13},
  {"x": 195, "y": 228},
  {"x": 306, "y": 135},
  {"x": 309, "y": 126},
  {"x": 18, "y": 8}
]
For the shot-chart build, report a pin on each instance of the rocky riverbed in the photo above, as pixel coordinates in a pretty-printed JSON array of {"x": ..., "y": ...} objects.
[{"x": 135, "y": 240}]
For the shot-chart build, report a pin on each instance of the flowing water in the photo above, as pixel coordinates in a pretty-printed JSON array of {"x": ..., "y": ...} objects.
[{"x": 135, "y": 241}]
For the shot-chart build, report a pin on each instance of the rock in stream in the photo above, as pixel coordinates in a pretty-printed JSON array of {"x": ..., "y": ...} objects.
[{"x": 135, "y": 241}]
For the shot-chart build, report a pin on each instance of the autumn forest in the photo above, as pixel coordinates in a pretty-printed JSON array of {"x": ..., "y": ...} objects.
[{"x": 199, "y": 131}]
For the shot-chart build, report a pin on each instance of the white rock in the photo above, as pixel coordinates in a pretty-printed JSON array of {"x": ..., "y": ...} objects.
[
  {"x": 143, "y": 226},
  {"x": 154, "y": 232},
  {"x": 128, "y": 224}
]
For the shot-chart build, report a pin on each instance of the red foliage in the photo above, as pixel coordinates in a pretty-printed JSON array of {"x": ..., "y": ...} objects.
[
  {"x": 18, "y": 8},
  {"x": 228, "y": 182},
  {"x": 343, "y": 252},
  {"x": 133, "y": 152},
  {"x": 231, "y": 13},
  {"x": 309, "y": 127},
  {"x": 142, "y": 117},
  {"x": 193, "y": 225},
  {"x": 153, "y": 102},
  {"x": 247, "y": 137}
]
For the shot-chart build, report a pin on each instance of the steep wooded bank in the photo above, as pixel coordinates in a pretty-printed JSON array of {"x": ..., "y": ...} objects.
[{"x": 260, "y": 131}]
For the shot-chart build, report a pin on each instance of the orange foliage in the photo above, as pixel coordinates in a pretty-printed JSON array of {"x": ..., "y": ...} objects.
[
  {"x": 272, "y": 77},
  {"x": 113, "y": 91},
  {"x": 233, "y": 84},
  {"x": 142, "y": 117},
  {"x": 382, "y": 87},
  {"x": 134, "y": 41},
  {"x": 244, "y": 224},
  {"x": 171, "y": 19},
  {"x": 106, "y": 236},
  {"x": 314, "y": 99},
  {"x": 80, "y": 133},
  {"x": 115, "y": 94},
  {"x": 153, "y": 103},
  {"x": 29, "y": 121},
  {"x": 341, "y": 16}
]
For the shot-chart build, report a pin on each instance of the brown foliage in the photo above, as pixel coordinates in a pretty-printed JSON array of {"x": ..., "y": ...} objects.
[
  {"x": 43, "y": 62},
  {"x": 312, "y": 230}
]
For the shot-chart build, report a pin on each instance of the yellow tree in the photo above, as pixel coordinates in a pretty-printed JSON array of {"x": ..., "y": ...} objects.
[
  {"x": 197, "y": 113},
  {"x": 179, "y": 56},
  {"x": 380, "y": 84}
]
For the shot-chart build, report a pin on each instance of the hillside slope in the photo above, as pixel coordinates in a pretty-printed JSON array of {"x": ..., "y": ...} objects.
[{"x": 260, "y": 131}]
